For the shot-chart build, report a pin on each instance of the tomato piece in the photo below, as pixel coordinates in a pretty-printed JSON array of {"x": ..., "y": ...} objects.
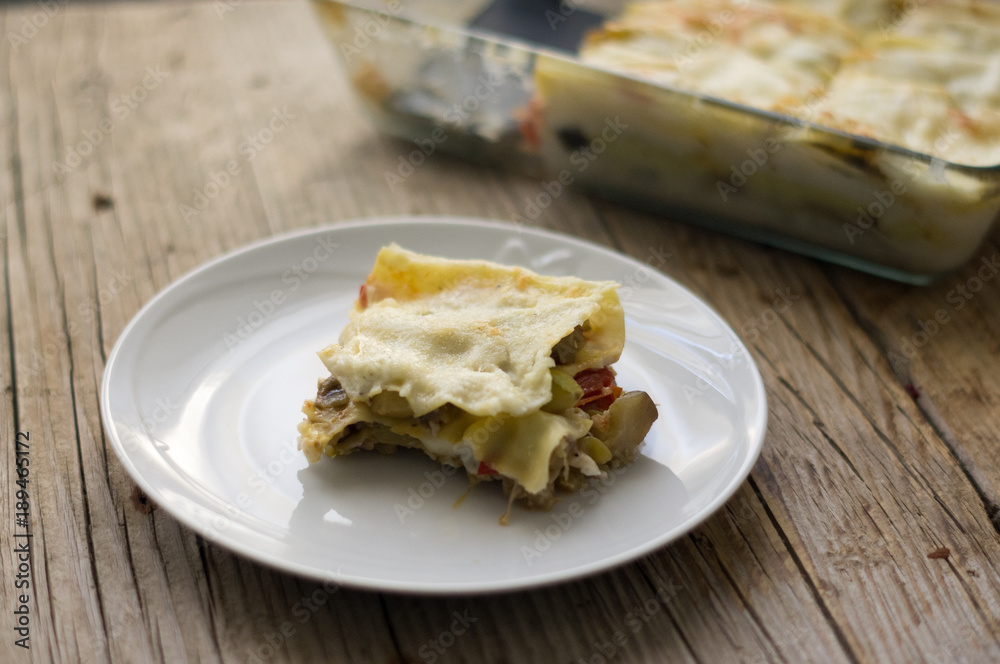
[
  {"x": 599, "y": 388},
  {"x": 595, "y": 379},
  {"x": 485, "y": 470},
  {"x": 528, "y": 124},
  {"x": 530, "y": 132},
  {"x": 604, "y": 402},
  {"x": 363, "y": 296}
]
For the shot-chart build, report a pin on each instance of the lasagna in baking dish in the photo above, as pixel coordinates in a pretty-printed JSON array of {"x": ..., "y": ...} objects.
[
  {"x": 920, "y": 78},
  {"x": 921, "y": 75},
  {"x": 770, "y": 56},
  {"x": 494, "y": 369}
]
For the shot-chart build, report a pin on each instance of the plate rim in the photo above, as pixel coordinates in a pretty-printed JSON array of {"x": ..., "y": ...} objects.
[{"x": 369, "y": 582}]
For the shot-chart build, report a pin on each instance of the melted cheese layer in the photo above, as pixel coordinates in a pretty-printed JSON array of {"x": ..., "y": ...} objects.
[{"x": 471, "y": 333}]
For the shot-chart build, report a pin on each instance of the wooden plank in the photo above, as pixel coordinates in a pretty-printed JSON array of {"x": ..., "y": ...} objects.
[
  {"x": 53, "y": 321},
  {"x": 845, "y": 442},
  {"x": 941, "y": 342}
]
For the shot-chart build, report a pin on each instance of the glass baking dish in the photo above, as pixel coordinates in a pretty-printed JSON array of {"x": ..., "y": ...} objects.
[{"x": 497, "y": 81}]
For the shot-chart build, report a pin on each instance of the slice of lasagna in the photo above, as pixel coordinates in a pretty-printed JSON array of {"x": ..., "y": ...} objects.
[{"x": 495, "y": 369}]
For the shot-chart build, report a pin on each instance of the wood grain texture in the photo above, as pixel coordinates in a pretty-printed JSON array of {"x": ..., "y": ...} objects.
[{"x": 881, "y": 444}]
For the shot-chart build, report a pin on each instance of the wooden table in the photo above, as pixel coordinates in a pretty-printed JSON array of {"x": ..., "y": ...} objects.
[{"x": 867, "y": 531}]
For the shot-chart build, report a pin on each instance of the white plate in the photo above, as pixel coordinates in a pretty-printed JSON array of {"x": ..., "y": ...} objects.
[{"x": 202, "y": 394}]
